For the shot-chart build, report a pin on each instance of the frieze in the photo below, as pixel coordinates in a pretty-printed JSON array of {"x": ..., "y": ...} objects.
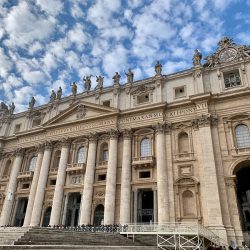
[
  {"x": 142, "y": 117},
  {"x": 181, "y": 112}
]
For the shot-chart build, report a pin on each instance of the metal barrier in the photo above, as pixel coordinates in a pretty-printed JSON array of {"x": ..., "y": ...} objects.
[{"x": 175, "y": 235}]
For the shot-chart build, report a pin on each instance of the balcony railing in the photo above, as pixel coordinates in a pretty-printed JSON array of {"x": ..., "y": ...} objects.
[
  {"x": 25, "y": 175},
  {"x": 102, "y": 163},
  {"x": 143, "y": 161},
  {"x": 184, "y": 156},
  {"x": 76, "y": 168}
]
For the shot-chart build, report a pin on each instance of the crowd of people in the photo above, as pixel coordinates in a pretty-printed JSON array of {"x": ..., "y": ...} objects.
[{"x": 111, "y": 228}]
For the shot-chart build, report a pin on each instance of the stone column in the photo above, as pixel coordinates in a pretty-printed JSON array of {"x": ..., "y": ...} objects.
[
  {"x": 155, "y": 206},
  {"x": 33, "y": 187},
  {"x": 233, "y": 209},
  {"x": 60, "y": 182},
  {"x": 210, "y": 188},
  {"x": 162, "y": 184},
  {"x": 41, "y": 185},
  {"x": 169, "y": 162},
  {"x": 8, "y": 202},
  {"x": 65, "y": 209},
  {"x": 89, "y": 178},
  {"x": 109, "y": 208},
  {"x": 135, "y": 196},
  {"x": 126, "y": 179}
]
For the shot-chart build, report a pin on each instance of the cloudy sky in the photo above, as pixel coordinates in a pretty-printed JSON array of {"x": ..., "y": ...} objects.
[{"x": 45, "y": 44}]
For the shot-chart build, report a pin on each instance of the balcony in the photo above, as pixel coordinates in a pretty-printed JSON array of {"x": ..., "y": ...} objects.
[
  {"x": 186, "y": 156},
  {"x": 143, "y": 161},
  {"x": 76, "y": 168},
  {"x": 102, "y": 164},
  {"x": 25, "y": 175},
  {"x": 53, "y": 171}
]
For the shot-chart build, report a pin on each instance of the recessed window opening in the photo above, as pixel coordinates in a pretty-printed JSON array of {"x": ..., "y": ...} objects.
[
  {"x": 232, "y": 79},
  {"x": 144, "y": 98},
  {"x": 179, "y": 92},
  {"x": 101, "y": 177},
  {"x": 25, "y": 186},
  {"x": 144, "y": 174},
  {"x": 106, "y": 103},
  {"x": 242, "y": 136}
]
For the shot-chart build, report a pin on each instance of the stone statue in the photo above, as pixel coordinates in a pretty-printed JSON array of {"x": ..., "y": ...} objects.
[
  {"x": 158, "y": 68},
  {"x": 116, "y": 78},
  {"x": 11, "y": 108},
  {"x": 99, "y": 80},
  {"x": 87, "y": 82},
  {"x": 52, "y": 96},
  {"x": 74, "y": 88},
  {"x": 130, "y": 76},
  {"x": 3, "y": 106},
  {"x": 32, "y": 102},
  {"x": 197, "y": 58},
  {"x": 59, "y": 94}
]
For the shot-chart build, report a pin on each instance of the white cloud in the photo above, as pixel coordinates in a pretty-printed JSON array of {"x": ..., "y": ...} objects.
[
  {"x": 244, "y": 37},
  {"x": 24, "y": 27},
  {"x": 52, "y": 7},
  {"x": 33, "y": 77},
  {"x": 5, "y": 64},
  {"x": 172, "y": 66},
  {"x": 35, "y": 47}
]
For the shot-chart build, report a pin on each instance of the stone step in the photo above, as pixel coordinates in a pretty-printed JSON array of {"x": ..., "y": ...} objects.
[{"x": 63, "y": 247}]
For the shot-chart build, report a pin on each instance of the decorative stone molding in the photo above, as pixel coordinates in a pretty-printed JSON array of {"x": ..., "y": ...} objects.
[
  {"x": 40, "y": 148},
  {"x": 19, "y": 152},
  {"x": 214, "y": 120},
  {"x": 205, "y": 121},
  {"x": 113, "y": 134},
  {"x": 160, "y": 128},
  {"x": 168, "y": 127},
  {"x": 227, "y": 51},
  {"x": 127, "y": 134},
  {"x": 197, "y": 73},
  {"x": 93, "y": 137},
  {"x": 48, "y": 145},
  {"x": 65, "y": 142},
  {"x": 81, "y": 111},
  {"x": 230, "y": 182},
  {"x": 141, "y": 89}
]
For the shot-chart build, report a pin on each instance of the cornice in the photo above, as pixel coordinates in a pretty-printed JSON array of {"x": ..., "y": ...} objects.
[{"x": 200, "y": 97}]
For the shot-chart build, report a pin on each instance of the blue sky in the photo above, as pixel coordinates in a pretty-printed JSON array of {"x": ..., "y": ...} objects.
[{"x": 45, "y": 44}]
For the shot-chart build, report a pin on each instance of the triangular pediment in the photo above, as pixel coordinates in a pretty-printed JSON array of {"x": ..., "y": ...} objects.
[{"x": 81, "y": 111}]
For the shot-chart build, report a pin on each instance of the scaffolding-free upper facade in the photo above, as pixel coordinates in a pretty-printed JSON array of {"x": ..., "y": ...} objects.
[{"x": 170, "y": 148}]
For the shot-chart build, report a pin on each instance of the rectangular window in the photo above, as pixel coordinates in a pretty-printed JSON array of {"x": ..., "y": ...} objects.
[
  {"x": 232, "y": 79},
  {"x": 36, "y": 122},
  {"x": 179, "y": 92},
  {"x": 144, "y": 98},
  {"x": 144, "y": 174},
  {"x": 52, "y": 182},
  {"x": 17, "y": 128},
  {"x": 106, "y": 103},
  {"x": 101, "y": 177},
  {"x": 25, "y": 186}
]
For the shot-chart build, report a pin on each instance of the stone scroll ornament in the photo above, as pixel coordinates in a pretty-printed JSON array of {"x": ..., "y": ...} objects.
[{"x": 227, "y": 51}]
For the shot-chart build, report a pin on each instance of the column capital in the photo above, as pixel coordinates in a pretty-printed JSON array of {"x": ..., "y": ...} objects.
[
  {"x": 204, "y": 121},
  {"x": 48, "y": 145},
  {"x": 19, "y": 152},
  {"x": 159, "y": 128},
  {"x": 127, "y": 133},
  {"x": 93, "y": 137},
  {"x": 40, "y": 148},
  {"x": 113, "y": 133},
  {"x": 65, "y": 142}
]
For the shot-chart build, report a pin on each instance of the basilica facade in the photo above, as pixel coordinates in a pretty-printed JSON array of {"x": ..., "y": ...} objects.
[{"x": 169, "y": 148}]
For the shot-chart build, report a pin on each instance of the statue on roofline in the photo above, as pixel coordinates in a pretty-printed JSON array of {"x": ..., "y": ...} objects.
[
  {"x": 197, "y": 58},
  {"x": 87, "y": 82},
  {"x": 158, "y": 68},
  {"x": 11, "y": 108},
  {"x": 130, "y": 76},
  {"x": 74, "y": 88},
  {"x": 116, "y": 78},
  {"x": 99, "y": 80},
  {"x": 52, "y": 96},
  {"x": 32, "y": 102},
  {"x": 59, "y": 94}
]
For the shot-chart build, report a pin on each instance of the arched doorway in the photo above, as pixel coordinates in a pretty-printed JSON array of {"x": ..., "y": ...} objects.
[
  {"x": 243, "y": 194},
  {"x": 46, "y": 217},
  {"x": 98, "y": 215}
]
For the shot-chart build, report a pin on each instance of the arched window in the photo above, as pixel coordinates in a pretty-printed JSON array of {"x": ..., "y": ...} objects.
[
  {"x": 183, "y": 143},
  {"x": 57, "y": 159},
  {"x": 188, "y": 203},
  {"x": 7, "y": 167},
  {"x": 242, "y": 136},
  {"x": 81, "y": 154},
  {"x": 32, "y": 164},
  {"x": 145, "y": 147},
  {"x": 104, "y": 156}
]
